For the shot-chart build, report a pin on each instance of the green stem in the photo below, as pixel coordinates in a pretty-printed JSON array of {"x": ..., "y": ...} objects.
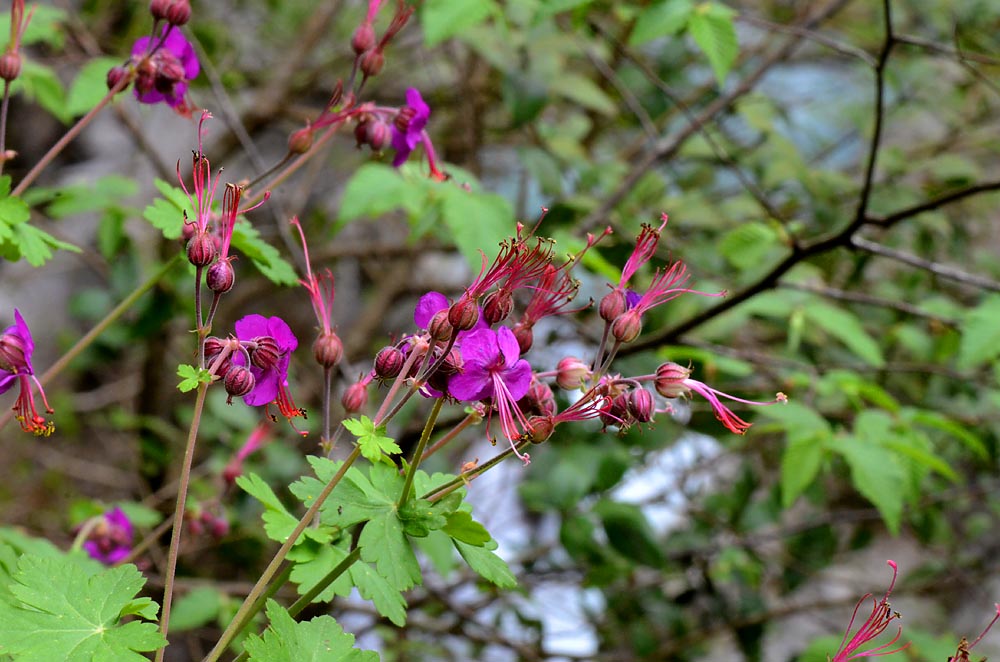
[
  {"x": 3, "y": 124},
  {"x": 279, "y": 581},
  {"x": 179, "y": 509},
  {"x": 442, "y": 491},
  {"x": 100, "y": 328},
  {"x": 419, "y": 452},
  {"x": 242, "y": 616},
  {"x": 69, "y": 136},
  {"x": 330, "y": 577}
]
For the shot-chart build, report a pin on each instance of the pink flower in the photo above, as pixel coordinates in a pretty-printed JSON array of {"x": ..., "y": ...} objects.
[
  {"x": 877, "y": 623},
  {"x": 408, "y": 127},
  {"x": 270, "y": 343},
  {"x": 164, "y": 68},
  {"x": 110, "y": 541},
  {"x": 16, "y": 348}
]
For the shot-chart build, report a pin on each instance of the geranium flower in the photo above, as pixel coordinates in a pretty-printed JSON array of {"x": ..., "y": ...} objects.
[
  {"x": 270, "y": 343},
  {"x": 16, "y": 348},
  {"x": 493, "y": 369},
  {"x": 408, "y": 128},
  {"x": 164, "y": 67},
  {"x": 882, "y": 615},
  {"x": 110, "y": 539}
]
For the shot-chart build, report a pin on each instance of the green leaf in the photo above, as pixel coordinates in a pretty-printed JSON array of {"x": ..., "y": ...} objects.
[
  {"x": 89, "y": 86},
  {"x": 199, "y": 607},
  {"x": 376, "y": 189},
  {"x": 847, "y": 329},
  {"x": 318, "y": 640},
  {"x": 711, "y": 25},
  {"x": 800, "y": 463},
  {"x": 372, "y": 586},
  {"x": 629, "y": 532},
  {"x": 60, "y": 611},
  {"x": 375, "y": 446},
  {"x": 944, "y": 424},
  {"x": 44, "y": 27},
  {"x": 475, "y": 221},
  {"x": 278, "y": 522},
  {"x": 267, "y": 259},
  {"x": 746, "y": 245},
  {"x": 585, "y": 92},
  {"x": 980, "y": 334},
  {"x": 486, "y": 564},
  {"x": 41, "y": 85},
  {"x": 660, "y": 19},
  {"x": 462, "y": 527},
  {"x": 192, "y": 377},
  {"x": 36, "y": 245},
  {"x": 876, "y": 474},
  {"x": 442, "y": 19},
  {"x": 167, "y": 213},
  {"x": 313, "y": 562}
]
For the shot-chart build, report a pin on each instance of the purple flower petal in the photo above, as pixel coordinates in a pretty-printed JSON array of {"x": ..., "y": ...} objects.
[
  {"x": 7, "y": 381},
  {"x": 428, "y": 306},
  {"x": 507, "y": 344},
  {"x": 518, "y": 379}
]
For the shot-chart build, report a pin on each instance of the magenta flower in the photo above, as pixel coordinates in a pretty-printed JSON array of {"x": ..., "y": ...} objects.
[
  {"x": 270, "y": 343},
  {"x": 493, "y": 368},
  {"x": 110, "y": 540},
  {"x": 882, "y": 615},
  {"x": 408, "y": 128},
  {"x": 164, "y": 68},
  {"x": 16, "y": 348}
]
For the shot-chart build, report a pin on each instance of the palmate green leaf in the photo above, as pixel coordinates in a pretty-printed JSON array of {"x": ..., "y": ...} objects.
[
  {"x": 61, "y": 611},
  {"x": 876, "y": 474},
  {"x": 486, "y": 564},
  {"x": 20, "y": 240},
  {"x": 318, "y": 640},
  {"x": 191, "y": 377},
  {"x": 264, "y": 256},
  {"x": 980, "y": 334},
  {"x": 167, "y": 213},
  {"x": 846, "y": 328},
  {"x": 711, "y": 25},
  {"x": 89, "y": 86},
  {"x": 375, "y": 446}
]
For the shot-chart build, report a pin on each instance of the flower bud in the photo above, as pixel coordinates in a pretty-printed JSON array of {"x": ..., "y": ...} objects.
[
  {"x": 201, "y": 250},
  {"x": 525, "y": 336},
  {"x": 670, "y": 380},
  {"x": 363, "y": 38},
  {"x": 640, "y": 405},
  {"x": 12, "y": 353},
  {"x": 372, "y": 62},
  {"x": 616, "y": 413},
  {"x": 10, "y": 66},
  {"x": 239, "y": 381},
  {"x": 497, "y": 306},
  {"x": 328, "y": 349},
  {"x": 538, "y": 400},
  {"x": 301, "y": 141},
  {"x": 389, "y": 362},
  {"x": 572, "y": 373},
  {"x": 540, "y": 428},
  {"x": 115, "y": 76},
  {"x": 220, "y": 277},
  {"x": 440, "y": 328},
  {"x": 158, "y": 8},
  {"x": 627, "y": 326},
  {"x": 464, "y": 314},
  {"x": 613, "y": 305},
  {"x": 214, "y": 347},
  {"x": 264, "y": 352},
  {"x": 179, "y": 12},
  {"x": 355, "y": 398}
]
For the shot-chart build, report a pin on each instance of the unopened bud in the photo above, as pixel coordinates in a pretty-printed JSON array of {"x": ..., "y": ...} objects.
[
  {"x": 220, "y": 277},
  {"x": 10, "y": 66},
  {"x": 363, "y": 38},
  {"x": 214, "y": 347},
  {"x": 158, "y": 8},
  {"x": 497, "y": 306},
  {"x": 616, "y": 413},
  {"x": 115, "y": 76},
  {"x": 239, "y": 381},
  {"x": 301, "y": 141},
  {"x": 464, "y": 314},
  {"x": 440, "y": 328},
  {"x": 540, "y": 428},
  {"x": 627, "y": 326},
  {"x": 179, "y": 12},
  {"x": 538, "y": 400},
  {"x": 389, "y": 362},
  {"x": 613, "y": 305},
  {"x": 525, "y": 336},
  {"x": 355, "y": 398},
  {"x": 572, "y": 373},
  {"x": 264, "y": 352},
  {"x": 201, "y": 250},
  {"x": 640, "y": 405},
  {"x": 670, "y": 380},
  {"x": 328, "y": 349},
  {"x": 372, "y": 62}
]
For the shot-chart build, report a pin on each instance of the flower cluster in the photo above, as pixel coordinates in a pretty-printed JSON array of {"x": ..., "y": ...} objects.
[
  {"x": 16, "y": 348},
  {"x": 467, "y": 351}
]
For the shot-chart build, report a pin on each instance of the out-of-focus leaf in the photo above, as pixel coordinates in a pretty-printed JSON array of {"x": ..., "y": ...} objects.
[
  {"x": 980, "y": 334},
  {"x": 661, "y": 19},
  {"x": 711, "y": 25}
]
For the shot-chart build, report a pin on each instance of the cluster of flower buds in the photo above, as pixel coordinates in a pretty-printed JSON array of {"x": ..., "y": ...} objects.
[
  {"x": 370, "y": 51},
  {"x": 174, "y": 12},
  {"x": 201, "y": 520}
]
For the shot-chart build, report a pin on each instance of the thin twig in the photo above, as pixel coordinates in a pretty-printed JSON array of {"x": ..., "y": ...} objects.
[{"x": 942, "y": 270}]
